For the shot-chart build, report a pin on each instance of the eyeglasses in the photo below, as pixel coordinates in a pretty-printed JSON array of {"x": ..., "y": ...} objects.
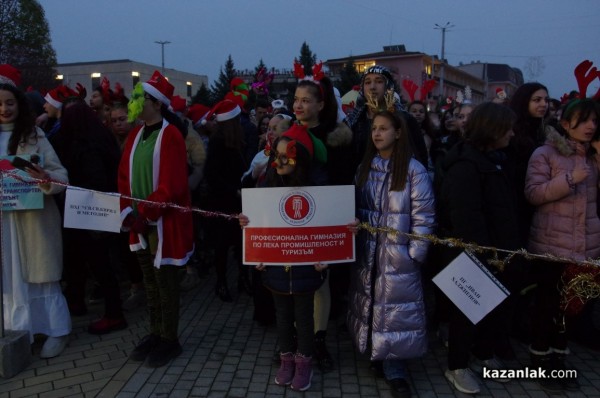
[
  {"x": 282, "y": 158},
  {"x": 148, "y": 97}
]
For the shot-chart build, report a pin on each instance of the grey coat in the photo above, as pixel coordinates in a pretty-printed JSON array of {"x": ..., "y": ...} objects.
[
  {"x": 39, "y": 231},
  {"x": 387, "y": 311}
]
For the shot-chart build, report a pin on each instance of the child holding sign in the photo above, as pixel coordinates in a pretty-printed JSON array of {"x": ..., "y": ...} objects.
[
  {"x": 293, "y": 287},
  {"x": 386, "y": 307}
]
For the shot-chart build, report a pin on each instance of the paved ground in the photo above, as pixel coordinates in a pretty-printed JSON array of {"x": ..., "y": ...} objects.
[{"x": 226, "y": 354}]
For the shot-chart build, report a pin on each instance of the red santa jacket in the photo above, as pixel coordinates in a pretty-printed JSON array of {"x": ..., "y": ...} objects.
[{"x": 170, "y": 185}]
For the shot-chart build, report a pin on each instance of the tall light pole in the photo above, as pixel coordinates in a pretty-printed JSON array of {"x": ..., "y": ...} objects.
[
  {"x": 443, "y": 60},
  {"x": 162, "y": 53}
]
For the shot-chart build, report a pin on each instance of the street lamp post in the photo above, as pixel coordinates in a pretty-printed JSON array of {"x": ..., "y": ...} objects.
[
  {"x": 162, "y": 53},
  {"x": 443, "y": 60}
]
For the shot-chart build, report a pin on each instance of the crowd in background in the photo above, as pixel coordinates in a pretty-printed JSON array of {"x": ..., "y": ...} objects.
[{"x": 512, "y": 173}]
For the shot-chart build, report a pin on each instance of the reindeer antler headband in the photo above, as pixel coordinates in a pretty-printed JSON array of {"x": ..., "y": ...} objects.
[
  {"x": 388, "y": 97},
  {"x": 317, "y": 72}
]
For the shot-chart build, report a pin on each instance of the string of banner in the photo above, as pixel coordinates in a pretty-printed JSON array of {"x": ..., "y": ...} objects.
[{"x": 583, "y": 284}]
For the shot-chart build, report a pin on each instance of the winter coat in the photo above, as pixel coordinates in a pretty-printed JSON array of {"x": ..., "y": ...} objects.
[
  {"x": 565, "y": 222},
  {"x": 295, "y": 279},
  {"x": 169, "y": 181},
  {"x": 196, "y": 157},
  {"x": 38, "y": 231},
  {"x": 386, "y": 307},
  {"x": 339, "y": 155},
  {"x": 478, "y": 201}
]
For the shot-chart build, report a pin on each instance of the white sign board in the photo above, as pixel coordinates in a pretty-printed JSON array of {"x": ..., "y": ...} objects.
[
  {"x": 299, "y": 225},
  {"x": 97, "y": 211},
  {"x": 471, "y": 287}
]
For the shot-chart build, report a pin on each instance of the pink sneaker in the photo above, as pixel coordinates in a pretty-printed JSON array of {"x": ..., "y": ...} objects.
[
  {"x": 304, "y": 373},
  {"x": 285, "y": 374}
]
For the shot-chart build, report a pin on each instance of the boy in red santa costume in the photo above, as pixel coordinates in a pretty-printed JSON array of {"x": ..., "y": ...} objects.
[{"x": 153, "y": 167}]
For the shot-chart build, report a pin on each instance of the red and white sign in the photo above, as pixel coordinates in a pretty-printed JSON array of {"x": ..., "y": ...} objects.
[{"x": 300, "y": 225}]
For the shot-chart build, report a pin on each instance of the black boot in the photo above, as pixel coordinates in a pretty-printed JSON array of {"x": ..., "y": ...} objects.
[
  {"x": 568, "y": 382},
  {"x": 244, "y": 283},
  {"x": 222, "y": 291},
  {"x": 321, "y": 353},
  {"x": 544, "y": 363}
]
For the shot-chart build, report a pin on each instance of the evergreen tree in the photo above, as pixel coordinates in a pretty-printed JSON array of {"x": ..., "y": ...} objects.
[
  {"x": 260, "y": 65},
  {"x": 307, "y": 58},
  {"x": 221, "y": 86},
  {"x": 349, "y": 77},
  {"x": 25, "y": 42},
  {"x": 203, "y": 96}
]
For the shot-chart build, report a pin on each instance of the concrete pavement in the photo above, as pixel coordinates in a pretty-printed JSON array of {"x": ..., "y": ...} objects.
[{"x": 226, "y": 354}]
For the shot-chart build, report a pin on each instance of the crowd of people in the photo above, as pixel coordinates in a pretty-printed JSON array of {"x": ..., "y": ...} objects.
[{"x": 507, "y": 174}]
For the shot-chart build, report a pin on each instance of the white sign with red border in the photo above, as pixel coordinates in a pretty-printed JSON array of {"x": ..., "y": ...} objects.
[{"x": 298, "y": 226}]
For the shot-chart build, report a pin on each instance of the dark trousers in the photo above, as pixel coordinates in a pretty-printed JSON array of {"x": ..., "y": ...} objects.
[
  {"x": 93, "y": 248},
  {"x": 162, "y": 293},
  {"x": 227, "y": 234},
  {"x": 128, "y": 259},
  {"x": 546, "y": 329},
  {"x": 465, "y": 338},
  {"x": 298, "y": 309}
]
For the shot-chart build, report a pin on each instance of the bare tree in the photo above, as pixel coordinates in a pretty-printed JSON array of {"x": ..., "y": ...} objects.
[{"x": 534, "y": 67}]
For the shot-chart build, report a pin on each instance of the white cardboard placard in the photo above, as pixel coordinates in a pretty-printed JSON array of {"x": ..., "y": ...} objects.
[
  {"x": 96, "y": 211},
  {"x": 471, "y": 287}
]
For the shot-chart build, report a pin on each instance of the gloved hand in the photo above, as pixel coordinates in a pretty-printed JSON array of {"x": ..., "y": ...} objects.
[
  {"x": 128, "y": 222},
  {"x": 140, "y": 225}
]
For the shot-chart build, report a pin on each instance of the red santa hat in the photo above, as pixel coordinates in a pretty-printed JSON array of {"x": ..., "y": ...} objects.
[
  {"x": 223, "y": 111},
  {"x": 500, "y": 93},
  {"x": 178, "y": 104},
  {"x": 159, "y": 87},
  {"x": 10, "y": 75},
  {"x": 197, "y": 113},
  {"x": 57, "y": 96}
]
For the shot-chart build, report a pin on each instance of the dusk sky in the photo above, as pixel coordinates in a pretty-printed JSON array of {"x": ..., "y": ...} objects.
[{"x": 203, "y": 33}]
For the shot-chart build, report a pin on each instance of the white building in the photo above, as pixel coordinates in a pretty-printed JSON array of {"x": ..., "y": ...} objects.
[{"x": 127, "y": 73}]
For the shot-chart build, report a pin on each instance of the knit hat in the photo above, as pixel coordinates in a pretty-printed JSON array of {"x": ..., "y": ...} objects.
[
  {"x": 178, "y": 104},
  {"x": 160, "y": 88},
  {"x": 223, "y": 111},
  {"x": 57, "y": 96},
  {"x": 10, "y": 75},
  {"x": 379, "y": 70},
  {"x": 197, "y": 113}
]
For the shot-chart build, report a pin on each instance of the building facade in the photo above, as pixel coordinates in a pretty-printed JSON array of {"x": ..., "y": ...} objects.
[
  {"x": 417, "y": 67},
  {"x": 127, "y": 73},
  {"x": 496, "y": 77}
]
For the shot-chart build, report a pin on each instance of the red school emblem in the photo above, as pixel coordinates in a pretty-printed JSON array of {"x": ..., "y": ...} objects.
[{"x": 297, "y": 208}]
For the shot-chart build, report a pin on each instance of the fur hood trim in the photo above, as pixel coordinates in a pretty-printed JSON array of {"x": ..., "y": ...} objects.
[
  {"x": 559, "y": 141},
  {"x": 340, "y": 136}
]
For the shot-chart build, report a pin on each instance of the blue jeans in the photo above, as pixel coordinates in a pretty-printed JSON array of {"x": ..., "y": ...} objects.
[{"x": 394, "y": 369}]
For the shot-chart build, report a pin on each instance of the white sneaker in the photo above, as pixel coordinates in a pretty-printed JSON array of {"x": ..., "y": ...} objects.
[
  {"x": 53, "y": 346},
  {"x": 463, "y": 380},
  {"x": 136, "y": 298},
  {"x": 492, "y": 364}
]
